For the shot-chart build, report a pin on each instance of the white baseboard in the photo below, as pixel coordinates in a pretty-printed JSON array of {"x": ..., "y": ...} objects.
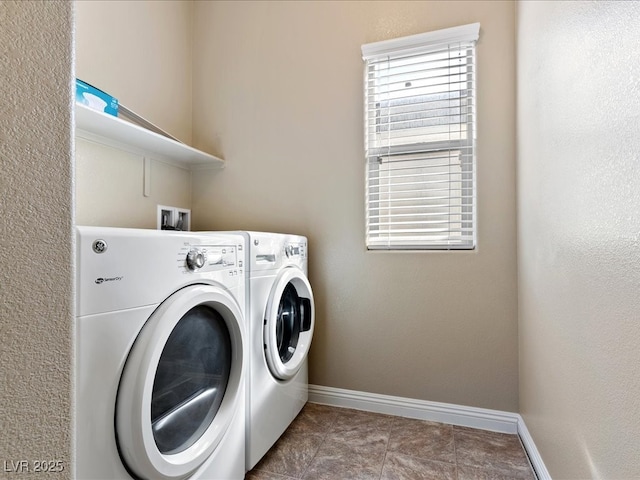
[
  {"x": 532, "y": 451},
  {"x": 484, "y": 419}
]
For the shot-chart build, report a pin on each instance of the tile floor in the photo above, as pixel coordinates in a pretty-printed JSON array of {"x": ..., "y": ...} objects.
[{"x": 332, "y": 443}]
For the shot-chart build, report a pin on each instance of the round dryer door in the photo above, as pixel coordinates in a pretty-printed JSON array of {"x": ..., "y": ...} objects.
[
  {"x": 289, "y": 322},
  {"x": 180, "y": 387}
]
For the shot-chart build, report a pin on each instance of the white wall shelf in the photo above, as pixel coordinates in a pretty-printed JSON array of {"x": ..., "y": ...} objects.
[{"x": 110, "y": 130}]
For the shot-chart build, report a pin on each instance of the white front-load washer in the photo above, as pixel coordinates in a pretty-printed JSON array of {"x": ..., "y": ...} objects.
[
  {"x": 280, "y": 324},
  {"x": 161, "y": 357}
]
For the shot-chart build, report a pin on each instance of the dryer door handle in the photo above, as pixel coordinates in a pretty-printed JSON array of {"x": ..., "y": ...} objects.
[{"x": 305, "y": 314}]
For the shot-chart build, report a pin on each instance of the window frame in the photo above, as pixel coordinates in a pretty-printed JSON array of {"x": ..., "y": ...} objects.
[{"x": 429, "y": 45}]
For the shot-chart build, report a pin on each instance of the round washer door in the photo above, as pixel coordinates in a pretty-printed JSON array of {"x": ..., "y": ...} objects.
[
  {"x": 289, "y": 323},
  {"x": 181, "y": 383}
]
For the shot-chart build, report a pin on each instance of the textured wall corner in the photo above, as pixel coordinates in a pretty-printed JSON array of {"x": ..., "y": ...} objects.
[{"x": 36, "y": 255}]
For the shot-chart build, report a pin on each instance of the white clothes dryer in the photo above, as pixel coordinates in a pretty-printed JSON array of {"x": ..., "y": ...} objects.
[
  {"x": 280, "y": 324},
  {"x": 160, "y": 387}
]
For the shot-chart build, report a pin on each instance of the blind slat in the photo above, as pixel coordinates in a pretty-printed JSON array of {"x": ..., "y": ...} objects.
[{"x": 374, "y": 204}]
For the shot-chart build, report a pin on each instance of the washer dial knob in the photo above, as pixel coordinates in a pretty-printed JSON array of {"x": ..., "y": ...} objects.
[{"x": 196, "y": 259}]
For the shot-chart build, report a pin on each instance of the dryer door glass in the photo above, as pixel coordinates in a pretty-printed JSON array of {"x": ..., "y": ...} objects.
[
  {"x": 190, "y": 380},
  {"x": 289, "y": 323}
]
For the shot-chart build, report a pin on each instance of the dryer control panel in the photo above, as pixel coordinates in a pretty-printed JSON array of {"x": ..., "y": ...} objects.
[
  {"x": 211, "y": 258},
  {"x": 272, "y": 251},
  {"x": 123, "y": 268},
  {"x": 293, "y": 250}
]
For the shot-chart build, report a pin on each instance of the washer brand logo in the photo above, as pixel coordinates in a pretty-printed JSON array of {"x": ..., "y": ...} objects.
[{"x": 112, "y": 279}]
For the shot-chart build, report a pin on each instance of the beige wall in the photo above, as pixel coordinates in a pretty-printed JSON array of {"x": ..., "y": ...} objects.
[
  {"x": 579, "y": 234},
  {"x": 140, "y": 52},
  {"x": 279, "y": 96},
  {"x": 36, "y": 259},
  {"x": 109, "y": 187}
]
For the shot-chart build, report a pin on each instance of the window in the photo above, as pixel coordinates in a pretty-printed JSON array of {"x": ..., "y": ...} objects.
[{"x": 420, "y": 140}]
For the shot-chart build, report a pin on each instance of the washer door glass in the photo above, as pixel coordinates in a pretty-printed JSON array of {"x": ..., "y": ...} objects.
[
  {"x": 289, "y": 323},
  {"x": 190, "y": 380}
]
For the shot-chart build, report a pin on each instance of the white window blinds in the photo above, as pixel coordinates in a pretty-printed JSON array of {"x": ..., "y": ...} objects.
[{"x": 420, "y": 139}]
